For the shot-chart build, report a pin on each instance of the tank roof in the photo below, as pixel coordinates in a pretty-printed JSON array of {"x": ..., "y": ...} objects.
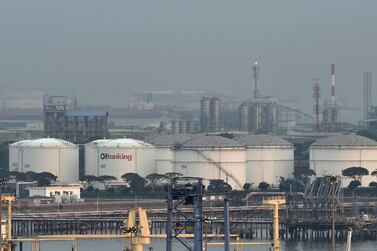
[
  {"x": 263, "y": 140},
  {"x": 43, "y": 143},
  {"x": 211, "y": 142},
  {"x": 351, "y": 140},
  {"x": 125, "y": 142},
  {"x": 169, "y": 140}
]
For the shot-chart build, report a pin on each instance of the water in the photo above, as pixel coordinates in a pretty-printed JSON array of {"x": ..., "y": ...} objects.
[{"x": 159, "y": 245}]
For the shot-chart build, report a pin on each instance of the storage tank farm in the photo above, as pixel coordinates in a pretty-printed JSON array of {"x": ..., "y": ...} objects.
[
  {"x": 331, "y": 155},
  {"x": 268, "y": 157},
  {"x": 116, "y": 157},
  {"x": 55, "y": 156},
  {"x": 165, "y": 145},
  {"x": 212, "y": 157}
]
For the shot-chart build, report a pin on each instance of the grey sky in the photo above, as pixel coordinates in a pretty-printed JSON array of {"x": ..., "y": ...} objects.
[{"x": 103, "y": 50}]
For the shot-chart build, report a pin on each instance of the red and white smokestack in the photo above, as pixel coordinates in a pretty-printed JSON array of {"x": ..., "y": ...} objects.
[{"x": 333, "y": 85}]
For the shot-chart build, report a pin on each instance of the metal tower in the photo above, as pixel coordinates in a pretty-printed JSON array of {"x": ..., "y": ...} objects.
[
  {"x": 316, "y": 96},
  {"x": 367, "y": 94},
  {"x": 185, "y": 191},
  {"x": 256, "y": 68}
]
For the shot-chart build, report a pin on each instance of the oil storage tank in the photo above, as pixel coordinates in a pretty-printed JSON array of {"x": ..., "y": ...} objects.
[
  {"x": 55, "y": 156},
  {"x": 212, "y": 157},
  {"x": 164, "y": 150},
  {"x": 268, "y": 157},
  {"x": 91, "y": 153},
  {"x": 119, "y": 156},
  {"x": 331, "y": 155}
]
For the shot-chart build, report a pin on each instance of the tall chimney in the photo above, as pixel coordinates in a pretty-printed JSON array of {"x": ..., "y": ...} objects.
[{"x": 333, "y": 85}]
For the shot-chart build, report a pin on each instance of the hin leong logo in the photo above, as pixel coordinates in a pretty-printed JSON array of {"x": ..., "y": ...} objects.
[{"x": 116, "y": 156}]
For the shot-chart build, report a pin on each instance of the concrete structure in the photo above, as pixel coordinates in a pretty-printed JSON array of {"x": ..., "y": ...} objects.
[
  {"x": 164, "y": 152},
  {"x": 333, "y": 154},
  {"x": 64, "y": 120},
  {"x": 55, "y": 156},
  {"x": 268, "y": 158},
  {"x": 119, "y": 156},
  {"x": 212, "y": 157},
  {"x": 62, "y": 193}
]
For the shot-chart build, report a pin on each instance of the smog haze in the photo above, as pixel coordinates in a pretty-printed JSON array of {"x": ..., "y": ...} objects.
[{"x": 103, "y": 51}]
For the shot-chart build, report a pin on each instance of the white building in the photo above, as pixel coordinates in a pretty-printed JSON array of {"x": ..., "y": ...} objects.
[
  {"x": 55, "y": 156},
  {"x": 331, "y": 155},
  {"x": 63, "y": 193},
  {"x": 119, "y": 156},
  {"x": 212, "y": 157},
  {"x": 164, "y": 153},
  {"x": 268, "y": 157}
]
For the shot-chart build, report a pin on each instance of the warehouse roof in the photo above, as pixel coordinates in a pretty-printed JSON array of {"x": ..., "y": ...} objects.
[
  {"x": 344, "y": 140},
  {"x": 169, "y": 140},
  {"x": 211, "y": 142},
  {"x": 263, "y": 140}
]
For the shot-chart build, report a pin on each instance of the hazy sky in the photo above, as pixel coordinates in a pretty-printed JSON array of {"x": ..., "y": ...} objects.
[{"x": 103, "y": 50}]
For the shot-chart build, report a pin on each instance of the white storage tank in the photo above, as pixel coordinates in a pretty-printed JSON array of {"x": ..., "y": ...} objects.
[
  {"x": 119, "y": 156},
  {"x": 55, "y": 156},
  {"x": 212, "y": 157},
  {"x": 90, "y": 155},
  {"x": 164, "y": 152},
  {"x": 268, "y": 157},
  {"x": 331, "y": 155}
]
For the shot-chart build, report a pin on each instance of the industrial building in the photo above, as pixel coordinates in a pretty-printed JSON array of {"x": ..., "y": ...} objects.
[
  {"x": 268, "y": 157},
  {"x": 210, "y": 114},
  {"x": 331, "y": 155},
  {"x": 56, "y": 156},
  {"x": 64, "y": 120},
  {"x": 258, "y": 116},
  {"x": 212, "y": 157},
  {"x": 119, "y": 156},
  {"x": 165, "y": 145}
]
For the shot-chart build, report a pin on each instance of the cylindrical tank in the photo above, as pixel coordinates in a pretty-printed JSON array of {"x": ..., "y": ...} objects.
[
  {"x": 56, "y": 156},
  {"x": 119, "y": 156},
  {"x": 164, "y": 150},
  {"x": 244, "y": 114},
  {"x": 212, "y": 157},
  {"x": 174, "y": 126},
  {"x": 268, "y": 158},
  {"x": 91, "y": 159},
  {"x": 205, "y": 114},
  {"x": 331, "y": 155},
  {"x": 215, "y": 110}
]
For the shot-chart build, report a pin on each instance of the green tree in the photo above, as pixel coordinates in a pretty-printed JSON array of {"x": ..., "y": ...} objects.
[
  {"x": 154, "y": 180},
  {"x": 302, "y": 171},
  {"x": 247, "y": 186},
  {"x": 135, "y": 181},
  {"x": 17, "y": 176},
  {"x": 356, "y": 173},
  {"x": 170, "y": 176},
  {"x": 106, "y": 179},
  {"x": 218, "y": 186},
  {"x": 291, "y": 185},
  {"x": 354, "y": 184},
  {"x": 44, "y": 178},
  {"x": 373, "y": 184},
  {"x": 263, "y": 186},
  {"x": 90, "y": 179}
]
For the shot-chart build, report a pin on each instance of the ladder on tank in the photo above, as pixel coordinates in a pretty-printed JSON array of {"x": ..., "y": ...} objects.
[{"x": 228, "y": 174}]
